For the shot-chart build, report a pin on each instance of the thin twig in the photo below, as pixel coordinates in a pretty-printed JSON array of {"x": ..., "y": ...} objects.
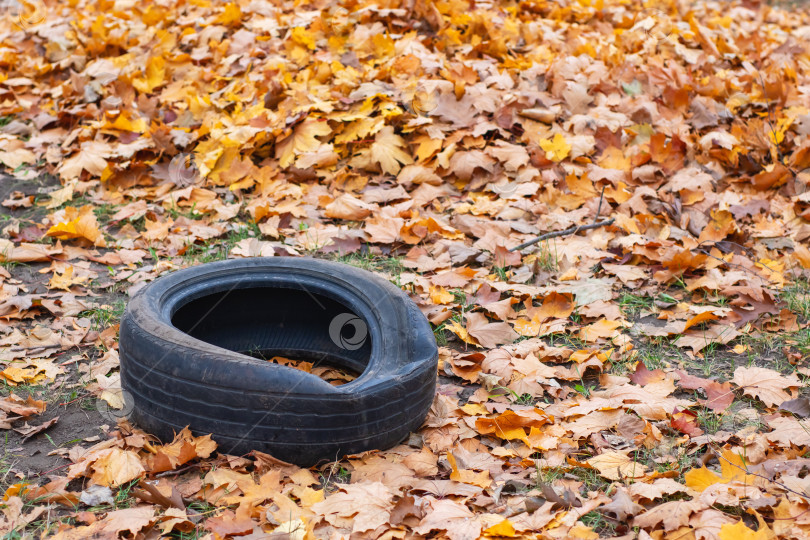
[
  {"x": 565, "y": 232},
  {"x": 746, "y": 471},
  {"x": 599, "y": 208},
  {"x": 178, "y": 471}
]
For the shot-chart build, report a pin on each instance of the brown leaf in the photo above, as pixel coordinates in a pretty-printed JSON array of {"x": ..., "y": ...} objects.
[
  {"x": 622, "y": 506},
  {"x": 720, "y": 395},
  {"x": 151, "y": 494},
  {"x": 29, "y": 431},
  {"x": 360, "y": 507},
  {"x": 229, "y": 524},
  {"x": 489, "y": 334},
  {"x": 672, "y": 514},
  {"x": 455, "y": 519},
  {"x": 765, "y": 384},
  {"x": 799, "y": 406},
  {"x": 113, "y": 467},
  {"x": 643, "y": 376}
]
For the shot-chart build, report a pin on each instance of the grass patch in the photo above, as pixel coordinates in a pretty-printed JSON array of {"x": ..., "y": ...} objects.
[
  {"x": 599, "y": 523},
  {"x": 633, "y": 304},
  {"x": 103, "y": 316},
  {"x": 218, "y": 249},
  {"x": 546, "y": 257},
  {"x": 391, "y": 266},
  {"x": 797, "y": 297},
  {"x": 655, "y": 351},
  {"x": 591, "y": 479}
]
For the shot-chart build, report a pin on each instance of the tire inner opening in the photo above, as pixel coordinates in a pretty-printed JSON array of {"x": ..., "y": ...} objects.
[{"x": 289, "y": 326}]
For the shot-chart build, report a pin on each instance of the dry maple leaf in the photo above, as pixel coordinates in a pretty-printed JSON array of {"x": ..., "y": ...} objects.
[
  {"x": 557, "y": 148},
  {"x": 789, "y": 431},
  {"x": 360, "y": 507},
  {"x": 302, "y": 139},
  {"x": 672, "y": 514},
  {"x": 455, "y": 519},
  {"x": 348, "y": 207},
  {"x": 765, "y": 384},
  {"x": 114, "y": 467},
  {"x": 467, "y": 476},
  {"x": 387, "y": 151},
  {"x": 740, "y": 531},
  {"x": 92, "y": 157},
  {"x": 489, "y": 334},
  {"x": 182, "y": 449},
  {"x": 511, "y": 425},
  {"x": 733, "y": 468},
  {"x": 617, "y": 465},
  {"x": 78, "y": 224},
  {"x": 25, "y": 252},
  {"x": 720, "y": 395},
  {"x": 622, "y": 506}
]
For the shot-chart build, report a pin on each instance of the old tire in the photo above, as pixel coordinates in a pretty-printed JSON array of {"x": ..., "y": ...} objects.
[{"x": 184, "y": 341}]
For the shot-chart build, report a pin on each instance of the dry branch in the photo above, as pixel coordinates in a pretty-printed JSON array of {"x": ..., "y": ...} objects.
[{"x": 564, "y": 232}]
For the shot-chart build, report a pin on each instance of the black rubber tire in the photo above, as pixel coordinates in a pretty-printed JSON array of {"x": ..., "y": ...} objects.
[{"x": 182, "y": 341}]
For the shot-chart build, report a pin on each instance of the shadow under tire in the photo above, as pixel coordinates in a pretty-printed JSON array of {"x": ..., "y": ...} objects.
[{"x": 192, "y": 346}]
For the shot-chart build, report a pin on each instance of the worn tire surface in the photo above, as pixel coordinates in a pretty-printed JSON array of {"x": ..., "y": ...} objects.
[{"x": 189, "y": 341}]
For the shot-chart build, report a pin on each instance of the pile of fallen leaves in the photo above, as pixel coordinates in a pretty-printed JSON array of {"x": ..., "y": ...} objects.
[{"x": 425, "y": 139}]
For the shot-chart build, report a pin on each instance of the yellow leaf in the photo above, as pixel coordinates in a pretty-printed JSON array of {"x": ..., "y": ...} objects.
[
  {"x": 154, "y": 76},
  {"x": 80, "y": 224},
  {"x": 15, "y": 490},
  {"x": 15, "y": 375},
  {"x": 303, "y": 37},
  {"x": 700, "y": 479},
  {"x": 153, "y": 15},
  {"x": 124, "y": 123},
  {"x": 557, "y": 149},
  {"x": 387, "y": 151},
  {"x": 230, "y": 15},
  {"x": 582, "y": 532},
  {"x": 732, "y": 466},
  {"x": 66, "y": 280},
  {"x": 616, "y": 466},
  {"x": 466, "y": 476},
  {"x": 115, "y": 467},
  {"x": 474, "y": 409},
  {"x": 739, "y": 531},
  {"x": 439, "y": 295},
  {"x": 511, "y": 425},
  {"x": 504, "y": 528},
  {"x": 461, "y": 332},
  {"x": 303, "y": 139}
]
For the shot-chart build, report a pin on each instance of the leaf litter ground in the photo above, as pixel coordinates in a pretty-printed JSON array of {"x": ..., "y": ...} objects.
[{"x": 641, "y": 379}]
